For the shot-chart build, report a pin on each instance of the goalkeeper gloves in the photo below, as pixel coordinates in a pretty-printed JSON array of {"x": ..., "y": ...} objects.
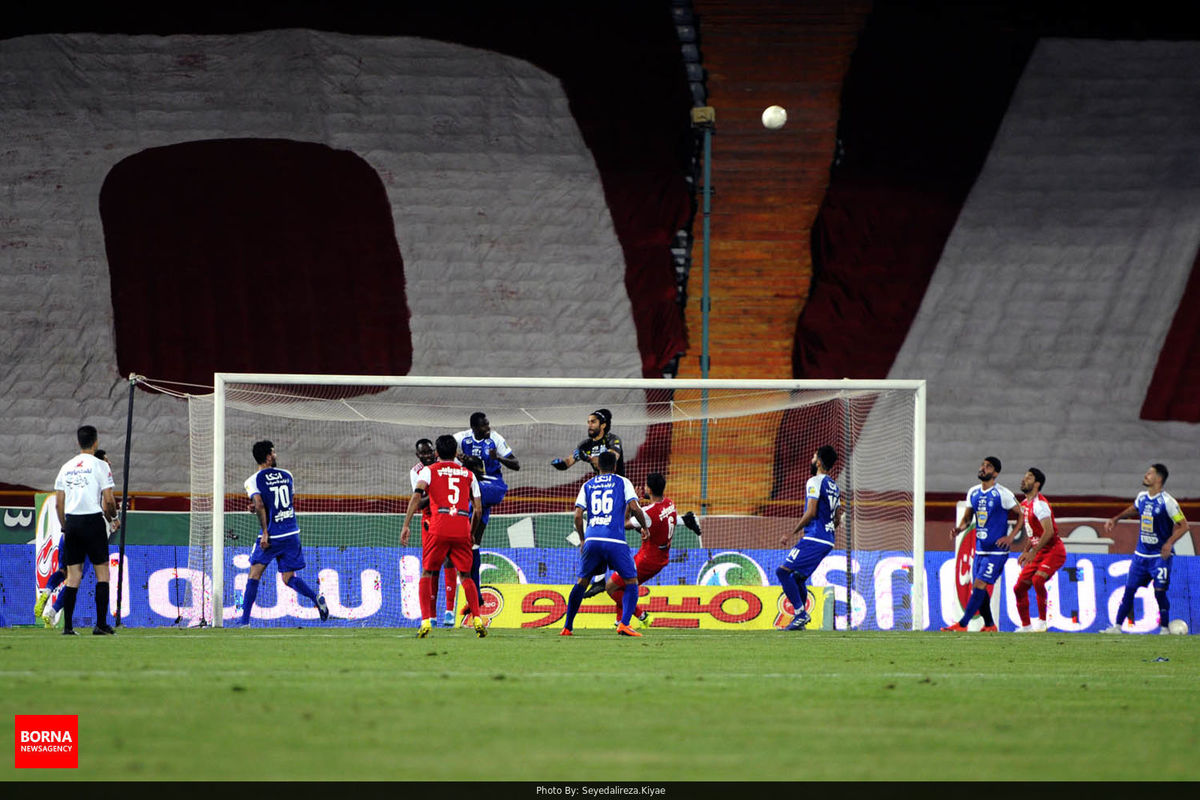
[
  {"x": 689, "y": 519},
  {"x": 558, "y": 464}
]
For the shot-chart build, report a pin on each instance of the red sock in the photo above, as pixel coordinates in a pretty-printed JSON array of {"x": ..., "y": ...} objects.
[
  {"x": 1023, "y": 607},
  {"x": 1039, "y": 586},
  {"x": 451, "y": 576},
  {"x": 472, "y": 595},
  {"x": 425, "y": 590},
  {"x": 618, "y": 596}
]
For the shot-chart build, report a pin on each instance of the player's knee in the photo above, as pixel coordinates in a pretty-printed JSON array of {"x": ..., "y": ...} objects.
[
  {"x": 783, "y": 573},
  {"x": 1039, "y": 580},
  {"x": 1022, "y": 586}
]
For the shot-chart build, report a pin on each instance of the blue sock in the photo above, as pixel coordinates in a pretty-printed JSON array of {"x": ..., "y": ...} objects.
[
  {"x": 1164, "y": 608},
  {"x": 57, "y": 605},
  {"x": 248, "y": 599},
  {"x": 978, "y": 598},
  {"x": 791, "y": 588},
  {"x": 1126, "y": 607},
  {"x": 303, "y": 588},
  {"x": 56, "y": 580},
  {"x": 629, "y": 603},
  {"x": 573, "y": 602}
]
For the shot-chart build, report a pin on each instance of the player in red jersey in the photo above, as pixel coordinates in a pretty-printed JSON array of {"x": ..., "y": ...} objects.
[
  {"x": 1044, "y": 552},
  {"x": 452, "y": 489},
  {"x": 425, "y": 457},
  {"x": 656, "y": 543}
]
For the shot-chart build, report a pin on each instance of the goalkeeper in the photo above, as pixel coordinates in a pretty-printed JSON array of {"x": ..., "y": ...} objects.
[{"x": 600, "y": 438}]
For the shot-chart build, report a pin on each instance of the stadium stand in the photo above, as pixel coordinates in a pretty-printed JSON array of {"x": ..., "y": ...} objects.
[{"x": 512, "y": 190}]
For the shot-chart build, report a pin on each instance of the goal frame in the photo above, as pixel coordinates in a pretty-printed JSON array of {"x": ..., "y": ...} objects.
[{"x": 222, "y": 379}]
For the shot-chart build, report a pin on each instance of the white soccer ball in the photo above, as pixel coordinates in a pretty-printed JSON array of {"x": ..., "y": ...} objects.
[
  {"x": 1178, "y": 627},
  {"x": 773, "y": 117}
]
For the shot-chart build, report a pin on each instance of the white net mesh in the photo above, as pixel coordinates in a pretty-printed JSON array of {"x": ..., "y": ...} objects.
[{"x": 737, "y": 456}]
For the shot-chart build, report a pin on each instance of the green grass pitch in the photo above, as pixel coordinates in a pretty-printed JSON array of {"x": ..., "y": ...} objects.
[{"x": 312, "y": 704}]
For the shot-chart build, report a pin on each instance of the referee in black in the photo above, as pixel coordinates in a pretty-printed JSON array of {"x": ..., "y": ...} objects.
[{"x": 86, "y": 509}]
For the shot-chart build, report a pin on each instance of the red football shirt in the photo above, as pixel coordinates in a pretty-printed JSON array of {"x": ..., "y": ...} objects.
[
  {"x": 662, "y": 519},
  {"x": 451, "y": 487},
  {"x": 1034, "y": 510}
]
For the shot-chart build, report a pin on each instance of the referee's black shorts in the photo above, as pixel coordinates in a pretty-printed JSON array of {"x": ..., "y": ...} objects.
[{"x": 85, "y": 536}]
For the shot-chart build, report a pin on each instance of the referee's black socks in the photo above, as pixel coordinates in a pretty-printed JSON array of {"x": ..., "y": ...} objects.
[
  {"x": 68, "y": 594},
  {"x": 101, "y": 603}
]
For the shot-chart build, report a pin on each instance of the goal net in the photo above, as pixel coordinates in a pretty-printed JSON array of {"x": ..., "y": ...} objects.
[{"x": 736, "y": 453}]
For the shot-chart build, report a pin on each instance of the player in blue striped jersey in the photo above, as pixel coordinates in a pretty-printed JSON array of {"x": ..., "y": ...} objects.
[
  {"x": 817, "y": 528},
  {"x": 991, "y": 505},
  {"x": 493, "y": 452},
  {"x": 1162, "y": 525},
  {"x": 271, "y": 491},
  {"x": 607, "y": 498}
]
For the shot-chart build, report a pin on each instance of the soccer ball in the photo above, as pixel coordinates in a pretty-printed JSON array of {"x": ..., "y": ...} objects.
[
  {"x": 1178, "y": 627},
  {"x": 773, "y": 117}
]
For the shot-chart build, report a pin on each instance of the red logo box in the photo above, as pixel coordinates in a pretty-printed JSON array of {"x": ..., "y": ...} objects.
[{"x": 47, "y": 741}]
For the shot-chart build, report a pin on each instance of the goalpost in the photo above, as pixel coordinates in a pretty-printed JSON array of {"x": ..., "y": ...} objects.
[{"x": 736, "y": 452}]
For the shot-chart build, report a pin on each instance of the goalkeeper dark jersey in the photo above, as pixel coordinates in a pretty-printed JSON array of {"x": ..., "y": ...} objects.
[{"x": 590, "y": 448}]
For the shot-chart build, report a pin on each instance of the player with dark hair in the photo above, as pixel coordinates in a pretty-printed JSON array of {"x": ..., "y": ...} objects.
[
  {"x": 272, "y": 492},
  {"x": 817, "y": 528},
  {"x": 600, "y": 439},
  {"x": 451, "y": 488},
  {"x": 484, "y": 451},
  {"x": 991, "y": 505},
  {"x": 1162, "y": 525},
  {"x": 425, "y": 457},
  {"x": 84, "y": 502},
  {"x": 1044, "y": 551},
  {"x": 606, "y": 498},
  {"x": 656, "y": 543},
  {"x": 50, "y": 614}
]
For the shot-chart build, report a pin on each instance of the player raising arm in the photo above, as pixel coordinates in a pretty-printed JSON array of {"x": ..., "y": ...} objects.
[
  {"x": 1163, "y": 524},
  {"x": 817, "y": 528},
  {"x": 990, "y": 504},
  {"x": 452, "y": 489},
  {"x": 485, "y": 451},
  {"x": 606, "y": 498},
  {"x": 655, "y": 551},
  {"x": 600, "y": 439}
]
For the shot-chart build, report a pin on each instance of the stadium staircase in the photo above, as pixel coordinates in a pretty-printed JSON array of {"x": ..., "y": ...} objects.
[{"x": 767, "y": 187}]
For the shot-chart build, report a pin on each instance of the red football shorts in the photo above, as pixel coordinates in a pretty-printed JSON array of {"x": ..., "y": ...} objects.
[
  {"x": 648, "y": 565},
  {"x": 1047, "y": 562},
  {"x": 449, "y": 537}
]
